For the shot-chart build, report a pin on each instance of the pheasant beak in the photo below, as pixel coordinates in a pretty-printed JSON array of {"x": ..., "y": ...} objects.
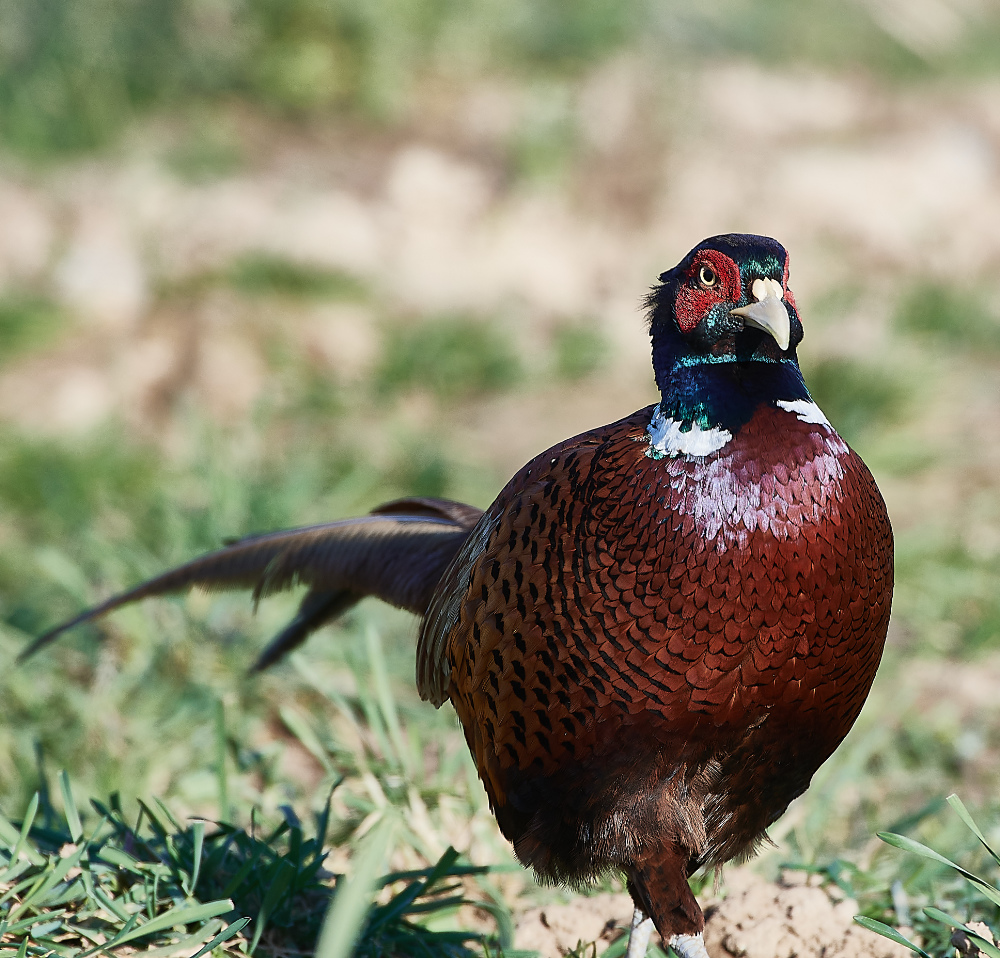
[{"x": 768, "y": 312}]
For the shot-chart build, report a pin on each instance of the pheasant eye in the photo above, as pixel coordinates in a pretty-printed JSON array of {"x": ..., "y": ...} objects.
[{"x": 708, "y": 277}]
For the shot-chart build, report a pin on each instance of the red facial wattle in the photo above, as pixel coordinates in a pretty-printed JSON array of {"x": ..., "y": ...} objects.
[
  {"x": 789, "y": 298},
  {"x": 694, "y": 301}
]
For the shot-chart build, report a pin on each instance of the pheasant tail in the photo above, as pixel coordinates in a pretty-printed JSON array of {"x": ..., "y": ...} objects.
[{"x": 397, "y": 553}]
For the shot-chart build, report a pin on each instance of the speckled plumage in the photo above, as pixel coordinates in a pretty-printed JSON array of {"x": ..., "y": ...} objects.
[
  {"x": 653, "y": 656},
  {"x": 660, "y": 628}
]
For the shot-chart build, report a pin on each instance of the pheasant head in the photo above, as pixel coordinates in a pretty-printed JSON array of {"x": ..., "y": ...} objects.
[{"x": 724, "y": 329}]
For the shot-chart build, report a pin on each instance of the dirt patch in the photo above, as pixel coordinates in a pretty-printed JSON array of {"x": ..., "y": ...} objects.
[
  {"x": 756, "y": 919},
  {"x": 555, "y": 930},
  {"x": 761, "y": 919}
]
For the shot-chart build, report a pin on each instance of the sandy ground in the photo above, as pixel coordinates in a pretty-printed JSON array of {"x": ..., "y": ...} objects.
[{"x": 754, "y": 919}]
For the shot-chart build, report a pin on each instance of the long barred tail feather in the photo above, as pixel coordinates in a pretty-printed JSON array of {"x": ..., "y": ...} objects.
[{"x": 396, "y": 553}]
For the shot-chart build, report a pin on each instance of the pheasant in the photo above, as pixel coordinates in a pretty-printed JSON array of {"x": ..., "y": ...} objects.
[{"x": 661, "y": 628}]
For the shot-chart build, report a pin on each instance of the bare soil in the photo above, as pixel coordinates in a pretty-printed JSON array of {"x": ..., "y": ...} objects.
[{"x": 755, "y": 919}]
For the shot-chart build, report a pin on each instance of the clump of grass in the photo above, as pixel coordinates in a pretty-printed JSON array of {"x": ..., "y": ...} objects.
[
  {"x": 977, "y": 899},
  {"x": 72, "y": 75},
  {"x": 949, "y": 598},
  {"x": 160, "y": 884},
  {"x": 956, "y": 318},
  {"x": 207, "y": 149},
  {"x": 27, "y": 322},
  {"x": 260, "y": 274},
  {"x": 70, "y": 895},
  {"x": 453, "y": 358},
  {"x": 580, "y": 350},
  {"x": 856, "y": 396}
]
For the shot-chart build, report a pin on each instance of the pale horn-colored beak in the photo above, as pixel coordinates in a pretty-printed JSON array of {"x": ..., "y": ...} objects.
[{"x": 768, "y": 313}]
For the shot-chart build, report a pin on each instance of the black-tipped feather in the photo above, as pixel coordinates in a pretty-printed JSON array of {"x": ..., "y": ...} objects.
[
  {"x": 397, "y": 554},
  {"x": 316, "y": 609}
]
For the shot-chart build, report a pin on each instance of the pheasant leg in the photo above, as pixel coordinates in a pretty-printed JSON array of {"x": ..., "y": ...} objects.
[
  {"x": 638, "y": 935},
  {"x": 689, "y": 946}
]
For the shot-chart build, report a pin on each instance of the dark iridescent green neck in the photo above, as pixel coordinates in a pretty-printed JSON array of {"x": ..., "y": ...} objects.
[{"x": 720, "y": 391}]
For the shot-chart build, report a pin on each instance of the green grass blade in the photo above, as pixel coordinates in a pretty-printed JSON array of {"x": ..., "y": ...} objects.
[
  {"x": 280, "y": 876},
  {"x": 179, "y": 915},
  {"x": 241, "y": 875},
  {"x": 386, "y": 700},
  {"x": 90, "y": 934},
  {"x": 505, "y": 923},
  {"x": 220, "y": 760},
  {"x": 169, "y": 815},
  {"x": 18, "y": 868},
  {"x": 887, "y": 931},
  {"x": 69, "y": 807},
  {"x": 198, "y": 835},
  {"x": 120, "y": 859},
  {"x": 346, "y": 915},
  {"x": 23, "y": 843},
  {"x": 8, "y": 833},
  {"x": 963, "y": 813},
  {"x": 909, "y": 845},
  {"x": 323, "y": 823},
  {"x": 404, "y": 901},
  {"x": 234, "y": 929},
  {"x": 109, "y": 904},
  {"x": 129, "y": 925},
  {"x": 25, "y": 923},
  {"x": 52, "y": 877},
  {"x": 159, "y": 829},
  {"x": 985, "y": 946},
  {"x": 299, "y": 727},
  {"x": 941, "y": 916},
  {"x": 175, "y": 945}
]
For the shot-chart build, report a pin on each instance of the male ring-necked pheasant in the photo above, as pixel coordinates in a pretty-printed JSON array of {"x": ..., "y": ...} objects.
[{"x": 661, "y": 628}]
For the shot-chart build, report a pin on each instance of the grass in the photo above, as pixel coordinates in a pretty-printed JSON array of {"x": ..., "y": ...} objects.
[
  {"x": 581, "y": 349},
  {"x": 856, "y": 395},
  {"x": 167, "y": 888},
  {"x": 160, "y": 704},
  {"x": 950, "y": 594},
  {"x": 73, "y": 75},
  {"x": 27, "y": 321},
  {"x": 951, "y": 317},
  {"x": 268, "y": 275},
  {"x": 968, "y": 897},
  {"x": 453, "y": 358},
  {"x": 159, "y": 880}
]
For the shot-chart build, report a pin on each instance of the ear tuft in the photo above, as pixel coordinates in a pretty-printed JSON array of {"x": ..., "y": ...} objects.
[{"x": 654, "y": 298}]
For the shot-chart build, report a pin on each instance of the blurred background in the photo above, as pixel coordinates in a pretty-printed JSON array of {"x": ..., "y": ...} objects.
[{"x": 271, "y": 262}]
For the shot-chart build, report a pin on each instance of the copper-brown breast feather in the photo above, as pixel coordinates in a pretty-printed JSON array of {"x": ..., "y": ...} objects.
[{"x": 617, "y": 615}]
